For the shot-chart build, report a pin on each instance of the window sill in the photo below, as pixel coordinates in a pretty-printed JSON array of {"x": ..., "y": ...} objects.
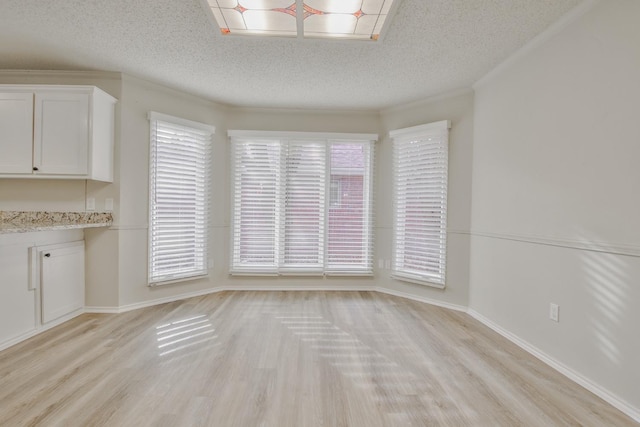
[
  {"x": 417, "y": 280},
  {"x": 302, "y": 274},
  {"x": 177, "y": 280}
]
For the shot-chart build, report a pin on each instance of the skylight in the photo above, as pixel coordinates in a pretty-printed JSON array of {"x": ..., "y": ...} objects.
[{"x": 345, "y": 19}]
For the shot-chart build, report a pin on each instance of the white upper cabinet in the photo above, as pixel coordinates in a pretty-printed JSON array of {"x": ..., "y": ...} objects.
[
  {"x": 56, "y": 132},
  {"x": 61, "y": 133},
  {"x": 16, "y": 132}
]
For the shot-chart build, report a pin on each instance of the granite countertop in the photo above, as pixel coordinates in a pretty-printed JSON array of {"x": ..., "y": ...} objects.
[{"x": 25, "y": 221}]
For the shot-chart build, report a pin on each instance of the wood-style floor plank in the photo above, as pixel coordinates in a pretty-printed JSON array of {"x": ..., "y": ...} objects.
[{"x": 286, "y": 359}]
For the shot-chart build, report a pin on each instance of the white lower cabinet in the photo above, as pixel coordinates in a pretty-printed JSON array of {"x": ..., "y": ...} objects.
[
  {"x": 61, "y": 279},
  {"x": 17, "y": 296},
  {"x": 41, "y": 282}
]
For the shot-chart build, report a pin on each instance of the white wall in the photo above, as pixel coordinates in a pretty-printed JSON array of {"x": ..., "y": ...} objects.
[
  {"x": 139, "y": 97},
  {"x": 555, "y": 198},
  {"x": 457, "y": 107}
]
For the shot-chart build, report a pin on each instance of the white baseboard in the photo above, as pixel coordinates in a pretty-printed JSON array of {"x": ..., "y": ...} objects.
[
  {"x": 101, "y": 310},
  {"x": 40, "y": 329},
  {"x": 158, "y": 301},
  {"x": 300, "y": 288},
  {"x": 144, "y": 304},
  {"x": 574, "y": 376},
  {"x": 19, "y": 339},
  {"x": 150, "y": 303},
  {"x": 430, "y": 301}
]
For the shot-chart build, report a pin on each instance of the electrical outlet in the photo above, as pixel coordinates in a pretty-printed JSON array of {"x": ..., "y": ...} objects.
[
  {"x": 108, "y": 204},
  {"x": 91, "y": 204},
  {"x": 554, "y": 312}
]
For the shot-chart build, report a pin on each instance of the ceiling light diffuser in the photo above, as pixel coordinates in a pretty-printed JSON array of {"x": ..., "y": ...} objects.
[{"x": 344, "y": 19}]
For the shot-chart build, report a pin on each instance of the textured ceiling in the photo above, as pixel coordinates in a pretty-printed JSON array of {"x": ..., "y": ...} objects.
[{"x": 431, "y": 47}]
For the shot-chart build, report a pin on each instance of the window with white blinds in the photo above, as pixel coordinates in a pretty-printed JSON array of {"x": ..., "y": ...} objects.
[
  {"x": 178, "y": 202},
  {"x": 420, "y": 159},
  {"x": 302, "y": 203}
]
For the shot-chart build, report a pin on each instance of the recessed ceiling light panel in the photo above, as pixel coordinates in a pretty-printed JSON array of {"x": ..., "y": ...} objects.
[{"x": 345, "y": 19}]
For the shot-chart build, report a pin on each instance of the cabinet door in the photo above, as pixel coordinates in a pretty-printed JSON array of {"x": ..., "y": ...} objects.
[
  {"x": 61, "y": 133},
  {"x": 62, "y": 280},
  {"x": 16, "y": 133},
  {"x": 17, "y": 300}
]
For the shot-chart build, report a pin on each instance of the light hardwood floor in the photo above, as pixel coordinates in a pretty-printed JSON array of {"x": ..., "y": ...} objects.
[{"x": 286, "y": 359}]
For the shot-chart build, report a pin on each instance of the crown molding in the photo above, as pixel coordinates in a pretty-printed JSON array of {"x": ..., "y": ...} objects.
[
  {"x": 112, "y": 75},
  {"x": 560, "y": 25},
  {"x": 399, "y": 108}
]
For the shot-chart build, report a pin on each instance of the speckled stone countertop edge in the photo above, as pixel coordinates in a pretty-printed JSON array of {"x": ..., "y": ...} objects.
[{"x": 26, "y": 221}]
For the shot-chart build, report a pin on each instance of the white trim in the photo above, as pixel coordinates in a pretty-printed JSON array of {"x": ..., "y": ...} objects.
[
  {"x": 332, "y": 288},
  {"x": 318, "y": 111},
  {"x": 425, "y": 300},
  {"x": 302, "y": 273},
  {"x": 154, "y": 116},
  {"x": 240, "y": 287},
  {"x": 557, "y": 27},
  {"x": 164, "y": 87},
  {"x": 427, "y": 101},
  {"x": 19, "y": 339},
  {"x": 113, "y": 75},
  {"x": 350, "y": 274},
  {"x": 150, "y": 303},
  {"x": 582, "y": 245},
  {"x": 299, "y": 20},
  {"x": 40, "y": 328},
  {"x": 458, "y": 231},
  {"x": 573, "y": 375},
  {"x": 292, "y": 272},
  {"x": 417, "y": 280},
  {"x": 249, "y": 273},
  {"x": 38, "y": 88},
  {"x": 180, "y": 279},
  {"x": 129, "y": 227},
  {"x": 164, "y": 300},
  {"x": 421, "y": 129},
  {"x": 258, "y": 134},
  {"x": 101, "y": 310}
]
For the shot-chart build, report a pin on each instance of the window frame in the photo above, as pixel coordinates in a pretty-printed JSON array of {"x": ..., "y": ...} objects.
[
  {"x": 417, "y": 134},
  {"x": 202, "y": 192},
  {"x": 284, "y": 138}
]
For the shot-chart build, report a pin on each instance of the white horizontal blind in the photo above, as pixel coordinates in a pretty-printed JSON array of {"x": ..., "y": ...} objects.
[
  {"x": 283, "y": 220},
  {"x": 304, "y": 207},
  {"x": 350, "y": 210},
  {"x": 420, "y": 157},
  {"x": 179, "y": 174},
  {"x": 256, "y": 184}
]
